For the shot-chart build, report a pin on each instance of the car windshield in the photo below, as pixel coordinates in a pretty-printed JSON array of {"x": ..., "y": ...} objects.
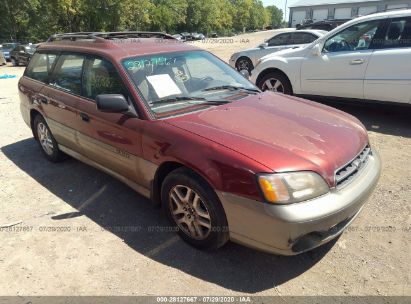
[{"x": 171, "y": 83}]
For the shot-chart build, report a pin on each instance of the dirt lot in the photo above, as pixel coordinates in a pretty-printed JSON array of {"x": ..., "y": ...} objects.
[{"x": 81, "y": 232}]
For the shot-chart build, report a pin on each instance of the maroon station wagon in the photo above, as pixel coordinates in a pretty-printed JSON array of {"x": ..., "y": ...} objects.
[{"x": 181, "y": 127}]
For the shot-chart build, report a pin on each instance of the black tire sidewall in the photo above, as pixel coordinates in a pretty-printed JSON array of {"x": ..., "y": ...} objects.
[
  {"x": 219, "y": 234},
  {"x": 57, "y": 155},
  {"x": 284, "y": 80}
]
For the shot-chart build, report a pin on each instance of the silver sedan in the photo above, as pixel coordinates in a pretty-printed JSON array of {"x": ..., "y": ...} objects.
[{"x": 246, "y": 59}]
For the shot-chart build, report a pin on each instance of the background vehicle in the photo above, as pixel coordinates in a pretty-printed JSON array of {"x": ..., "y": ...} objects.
[
  {"x": 368, "y": 58},
  {"x": 246, "y": 59},
  {"x": 22, "y": 54},
  {"x": 135, "y": 110},
  {"x": 324, "y": 25},
  {"x": 6, "y": 48}
]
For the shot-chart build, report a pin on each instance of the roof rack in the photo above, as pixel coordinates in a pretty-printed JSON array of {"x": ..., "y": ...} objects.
[{"x": 102, "y": 36}]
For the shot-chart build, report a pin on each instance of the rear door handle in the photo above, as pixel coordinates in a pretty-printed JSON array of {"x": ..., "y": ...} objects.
[
  {"x": 357, "y": 61},
  {"x": 84, "y": 117}
]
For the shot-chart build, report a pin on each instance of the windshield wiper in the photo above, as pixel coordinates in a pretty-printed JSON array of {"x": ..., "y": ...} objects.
[
  {"x": 178, "y": 98},
  {"x": 230, "y": 87}
]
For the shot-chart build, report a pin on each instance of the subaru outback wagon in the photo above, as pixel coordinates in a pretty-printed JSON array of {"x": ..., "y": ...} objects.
[{"x": 181, "y": 127}]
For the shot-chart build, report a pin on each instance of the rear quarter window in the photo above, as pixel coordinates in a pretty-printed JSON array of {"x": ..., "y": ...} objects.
[{"x": 40, "y": 66}]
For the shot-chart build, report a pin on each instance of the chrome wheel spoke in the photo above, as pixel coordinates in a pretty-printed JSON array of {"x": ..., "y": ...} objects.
[
  {"x": 268, "y": 84},
  {"x": 198, "y": 209},
  {"x": 277, "y": 85},
  {"x": 198, "y": 229},
  {"x": 204, "y": 223}
]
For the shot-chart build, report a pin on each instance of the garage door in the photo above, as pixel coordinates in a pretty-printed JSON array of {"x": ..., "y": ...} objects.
[
  {"x": 396, "y": 6},
  {"x": 320, "y": 14},
  {"x": 298, "y": 17},
  {"x": 342, "y": 13},
  {"x": 366, "y": 10}
]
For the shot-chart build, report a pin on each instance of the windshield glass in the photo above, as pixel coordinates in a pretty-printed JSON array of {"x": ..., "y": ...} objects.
[{"x": 172, "y": 83}]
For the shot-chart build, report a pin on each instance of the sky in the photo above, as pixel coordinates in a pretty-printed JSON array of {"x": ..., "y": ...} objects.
[{"x": 279, "y": 4}]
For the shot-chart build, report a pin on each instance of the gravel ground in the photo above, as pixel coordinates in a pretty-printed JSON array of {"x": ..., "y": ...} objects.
[{"x": 77, "y": 231}]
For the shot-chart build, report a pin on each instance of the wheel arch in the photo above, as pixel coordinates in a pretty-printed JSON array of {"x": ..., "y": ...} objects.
[{"x": 163, "y": 171}]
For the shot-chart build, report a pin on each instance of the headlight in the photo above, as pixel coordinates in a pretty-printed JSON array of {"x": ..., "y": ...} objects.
[{"x": 287, "y": 188}]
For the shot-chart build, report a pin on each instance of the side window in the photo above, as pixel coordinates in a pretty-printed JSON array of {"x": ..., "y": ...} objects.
[
  {"x": 279, "y": 40},
  {"x": 302, "y": 38},
  {"x": 398, "y": 34},
  {"x": 101, "y": 77},
  {"x": 40, "y": 66},
  {"x": 67, "y": 74},
  {"x": 356, "y": 37}
]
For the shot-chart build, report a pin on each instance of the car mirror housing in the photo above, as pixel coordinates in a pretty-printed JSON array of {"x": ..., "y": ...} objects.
[
  {"x": 263, "y": 45},
  {"x": 114, "y": 103}
]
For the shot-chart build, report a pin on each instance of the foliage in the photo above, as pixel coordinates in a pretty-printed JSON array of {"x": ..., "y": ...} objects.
[{"x": 35, "y": 20}]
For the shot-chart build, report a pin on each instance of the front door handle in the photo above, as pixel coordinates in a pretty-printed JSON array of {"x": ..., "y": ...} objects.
[
  {"x": 357, "y": 61},
  {"x": 84, "y": 117}
]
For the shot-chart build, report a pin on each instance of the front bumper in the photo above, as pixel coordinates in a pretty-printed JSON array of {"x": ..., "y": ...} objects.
[{"x": 295, "y": 228}]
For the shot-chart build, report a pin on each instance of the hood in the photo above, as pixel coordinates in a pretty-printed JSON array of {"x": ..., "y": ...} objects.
[
  {"x": 282, "y": 133},
  {"x": 291, "y": 52}
]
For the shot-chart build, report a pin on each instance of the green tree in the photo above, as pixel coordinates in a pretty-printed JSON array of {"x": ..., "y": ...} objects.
[{"x": 275, "y": 16}]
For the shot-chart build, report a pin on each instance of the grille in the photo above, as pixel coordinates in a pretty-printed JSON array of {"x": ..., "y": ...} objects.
[{"x": 347, "y": 174}]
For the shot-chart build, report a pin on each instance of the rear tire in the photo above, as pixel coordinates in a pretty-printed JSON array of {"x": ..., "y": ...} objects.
[
  {"x": 194, "y": 210},
  {"x": 46, "y": 140},
  {"x": 275, "y": 82},
  {"x": 14, "y": 62}
]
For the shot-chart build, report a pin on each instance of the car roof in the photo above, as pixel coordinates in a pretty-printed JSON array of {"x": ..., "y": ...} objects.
[
  {"x": 315, "y": 32},
  {"x": 118, "y": 49},
  {"x": 374, "y": 16}
]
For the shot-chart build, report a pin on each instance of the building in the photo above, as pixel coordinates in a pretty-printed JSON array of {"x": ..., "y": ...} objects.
[{"x": 318, "y": 10}]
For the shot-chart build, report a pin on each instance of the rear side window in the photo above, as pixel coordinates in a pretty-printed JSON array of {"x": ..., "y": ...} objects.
[
  {"x": 40, "y": 66},
  {"x": 101, "y": 77},
  {"x": 398, "y": 34},
  {"x": 67, "y": 73},
  {"x": 302, "y": 38},
  {"x": 278, "y": 40}
]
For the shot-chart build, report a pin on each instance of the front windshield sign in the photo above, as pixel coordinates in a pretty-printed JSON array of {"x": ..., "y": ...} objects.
[{"x": 180, "y": 82}]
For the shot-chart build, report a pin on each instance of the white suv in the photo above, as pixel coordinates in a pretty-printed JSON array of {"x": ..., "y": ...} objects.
[{"x": 368, "y": 58}]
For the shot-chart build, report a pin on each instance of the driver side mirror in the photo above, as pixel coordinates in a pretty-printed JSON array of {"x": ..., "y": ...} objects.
[
  {"x": 114, "y": 103},
  {"x": 316, "y": 50},
  {"x": 263, "y": 45}
]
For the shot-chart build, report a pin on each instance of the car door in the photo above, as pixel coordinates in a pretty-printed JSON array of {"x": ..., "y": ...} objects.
[
  {"x": 113, "y": 140},
  {"x": 339, "y": 69},
  {"x": 60, "y": 99},
  {"x": 388, "y": 76}
]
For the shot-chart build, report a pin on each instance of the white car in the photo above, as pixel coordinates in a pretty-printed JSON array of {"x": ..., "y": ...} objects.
[
  {"x": 368, "y": 58},
  {"x": 246, "y": 59}
]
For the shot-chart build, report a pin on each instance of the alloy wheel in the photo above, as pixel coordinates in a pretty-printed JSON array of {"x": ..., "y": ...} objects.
[
  {"x": 189, "y": 212},
  {"x": 45, "y": 138},
  {"x": 274, "y": 85}
]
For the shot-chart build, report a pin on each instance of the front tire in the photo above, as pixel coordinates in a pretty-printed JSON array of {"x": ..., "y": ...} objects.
[
  {"x": 275, "y": 82},
  {"x": 46, "y": 140},
  {"x": 244, "y": 63},
  {"x": 194, "y": 210}
]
